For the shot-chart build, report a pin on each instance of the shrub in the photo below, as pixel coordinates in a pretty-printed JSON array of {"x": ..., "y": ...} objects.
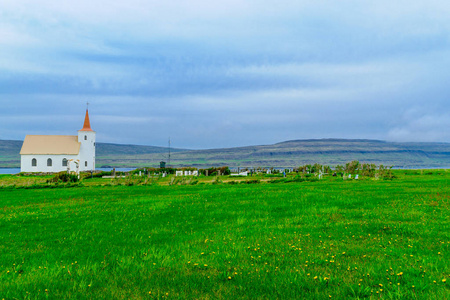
[
  {"x": 273, "y": 175},
  {"x": 214, "y": 171},
  {"x": 63, "y": 177},
  {"x": 352, "y": 167},
  {"x": 300, "y": 179},
  {"x": 251, "y": 181},
  {"x": 385, "y": 172},
  {"x": 101, "y": 174},
  {"x": 278, "y": 180},
  {"x": 174, "y": 181},
  {"x": 217, "y": 180}
]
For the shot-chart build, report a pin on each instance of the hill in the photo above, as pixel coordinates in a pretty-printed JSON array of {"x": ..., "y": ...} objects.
[
  {"x": 284, "y": 154},
  {"x": 324, "y": 151},
  {"x": 9, "y": 153}
]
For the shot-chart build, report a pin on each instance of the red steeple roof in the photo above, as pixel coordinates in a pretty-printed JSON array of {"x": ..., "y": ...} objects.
[{"x": 87, "y": 124}]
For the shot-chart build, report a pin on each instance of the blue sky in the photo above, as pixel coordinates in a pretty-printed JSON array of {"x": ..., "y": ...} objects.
[{"x": 225, "y": 74}]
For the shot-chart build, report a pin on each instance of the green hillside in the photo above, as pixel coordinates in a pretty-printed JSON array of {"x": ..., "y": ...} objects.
[
  {"x": 9, "y": 154},
  {"x": 284, "y": 154}
]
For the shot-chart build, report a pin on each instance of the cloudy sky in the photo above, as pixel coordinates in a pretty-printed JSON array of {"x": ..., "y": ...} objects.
[{"x": 226, "y": 73}]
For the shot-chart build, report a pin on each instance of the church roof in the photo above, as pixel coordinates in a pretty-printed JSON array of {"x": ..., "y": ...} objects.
[
  {"x": 87, "y": 123},
  {"x": 50, "y": 144}
]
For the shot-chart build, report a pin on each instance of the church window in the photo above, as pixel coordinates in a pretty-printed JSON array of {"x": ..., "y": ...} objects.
[
  {"x": 85, "y": 163},
  {"x": 64, "y": 162},
  {"x": 49, "y": 162},
  {"x": 85, "y": 137},
  {"x": 34, "y": 162}
]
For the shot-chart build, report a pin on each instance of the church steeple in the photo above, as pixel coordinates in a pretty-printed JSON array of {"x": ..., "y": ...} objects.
[
  {"x": 86, "y": 139},
  {"x": 87, "y": 124}
]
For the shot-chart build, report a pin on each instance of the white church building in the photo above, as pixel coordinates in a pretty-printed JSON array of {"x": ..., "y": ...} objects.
[{"x": 56, "y": 153}]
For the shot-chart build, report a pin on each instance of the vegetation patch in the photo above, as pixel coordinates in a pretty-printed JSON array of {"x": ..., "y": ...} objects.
[{"x": 308, "y": 238}]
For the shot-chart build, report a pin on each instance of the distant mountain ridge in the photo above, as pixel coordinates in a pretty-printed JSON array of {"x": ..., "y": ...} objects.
[
  {"x": 283, "y": 154},
  {"x": 117, "y": 149}
]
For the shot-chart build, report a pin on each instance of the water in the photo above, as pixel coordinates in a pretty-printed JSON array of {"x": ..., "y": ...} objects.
[
  {"x": 17, "y": 170},
  {"x": 117, "y": 169},
  {"x": 9, "y": 171}
]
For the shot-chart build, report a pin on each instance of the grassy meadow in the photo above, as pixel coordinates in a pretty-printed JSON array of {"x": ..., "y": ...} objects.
[{"x": 219, "y": 238}]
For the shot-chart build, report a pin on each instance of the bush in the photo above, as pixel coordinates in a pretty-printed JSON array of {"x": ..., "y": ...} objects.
[
  {"x": 300, "y": 179},
  {"x": 101, "y": 174},
  {"x": 277, "y": 180},
  {"x": 63, "y": 177},
  {"x": 251, "y": 181},
  {"x": 214, "y": 171},
  {"x": 385, "y": 172},
  {"x": 217, "y": 181},
  {"x": 273, "y": 175},
  {"x": 295, "y": 179}
]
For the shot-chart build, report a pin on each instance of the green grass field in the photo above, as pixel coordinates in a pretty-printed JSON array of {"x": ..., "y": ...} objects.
[{"x": 333, "y": 238}]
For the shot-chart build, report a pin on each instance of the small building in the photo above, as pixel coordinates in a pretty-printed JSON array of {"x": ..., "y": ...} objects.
[{"x": 56, "y": 153}]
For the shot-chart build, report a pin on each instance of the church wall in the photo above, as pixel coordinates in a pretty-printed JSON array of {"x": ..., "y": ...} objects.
[{"x": 41, "y": 166}]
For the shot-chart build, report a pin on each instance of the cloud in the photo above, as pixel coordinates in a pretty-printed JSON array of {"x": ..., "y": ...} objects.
[
  {"x": 421, "y": 124},
  {"x": 226, "y": 73}
]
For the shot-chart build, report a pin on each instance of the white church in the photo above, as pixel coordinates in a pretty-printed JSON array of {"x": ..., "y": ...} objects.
[{"x": 56, "y": 153}]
